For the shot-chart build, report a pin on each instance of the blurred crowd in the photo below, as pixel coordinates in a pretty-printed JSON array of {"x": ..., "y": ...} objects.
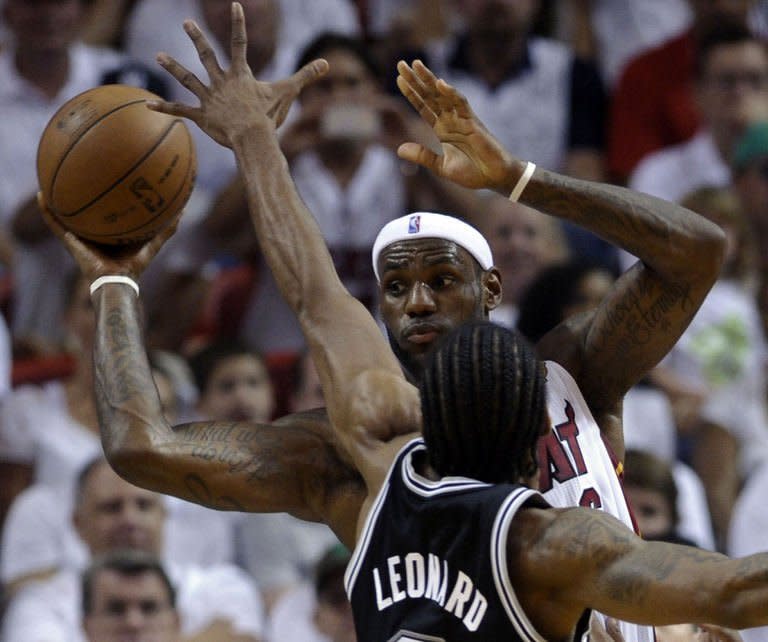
[{"x": 668, "y": 97}]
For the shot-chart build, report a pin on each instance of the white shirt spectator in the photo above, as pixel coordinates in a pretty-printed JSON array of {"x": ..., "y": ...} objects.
[
  {"x": 676, "y": 171},
  {"x": 642, "y": 25},
  {"x": 38, "y": 534},
  {"x": 529, "y": 113},
  {"x": 51, "y": 610}
]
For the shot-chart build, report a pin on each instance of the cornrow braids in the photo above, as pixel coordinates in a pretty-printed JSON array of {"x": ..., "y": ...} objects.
[{"x": 483, "y": 404}]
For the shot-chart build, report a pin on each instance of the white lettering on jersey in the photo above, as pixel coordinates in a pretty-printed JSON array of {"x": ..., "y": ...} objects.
[{"x": 429, "y": 579}]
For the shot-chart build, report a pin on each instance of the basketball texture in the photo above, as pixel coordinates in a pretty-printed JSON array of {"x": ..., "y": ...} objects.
[{"x": 113, "y": 171}]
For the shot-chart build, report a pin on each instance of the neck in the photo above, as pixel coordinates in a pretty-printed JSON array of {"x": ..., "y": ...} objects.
[
  {"x": 494, "y": 64},
  {"x": 46, "y": 70}
]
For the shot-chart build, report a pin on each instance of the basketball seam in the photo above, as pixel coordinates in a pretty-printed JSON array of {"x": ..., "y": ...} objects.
[
  {"x": 121, "y": 178},
  {"x": 84, "y": 132},
  {"x": 171, "y": 201}
]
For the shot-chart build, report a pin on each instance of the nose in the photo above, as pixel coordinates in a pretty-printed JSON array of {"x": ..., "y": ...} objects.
[
  {"x": 420, "y": 301},
  {"x": 133, "y": 618}
]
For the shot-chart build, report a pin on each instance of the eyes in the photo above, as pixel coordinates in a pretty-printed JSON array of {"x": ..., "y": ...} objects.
[{"x": 398, "y": 287}]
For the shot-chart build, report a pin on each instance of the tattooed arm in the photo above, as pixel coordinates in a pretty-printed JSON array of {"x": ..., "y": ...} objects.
[
  {"x": 650, "y": 306},
  {"x": 291, "y": 465},
  {"x": 571, "y": 559}
]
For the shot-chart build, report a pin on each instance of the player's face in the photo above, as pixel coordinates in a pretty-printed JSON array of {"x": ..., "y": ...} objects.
[
  {"x": 114, "y": 514},
  {"x": 238, "y": 389},
  {"x": 428, "y": 288},
  {"x": 131, "y": 608}
]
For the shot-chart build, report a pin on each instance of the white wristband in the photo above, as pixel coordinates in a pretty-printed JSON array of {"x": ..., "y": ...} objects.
[
  {"x": 522, "y": 182},
  {"x": 114, "y": 278}
]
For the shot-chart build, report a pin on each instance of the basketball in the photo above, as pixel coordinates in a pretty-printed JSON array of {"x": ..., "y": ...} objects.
[{"x": 113, "y": 171}]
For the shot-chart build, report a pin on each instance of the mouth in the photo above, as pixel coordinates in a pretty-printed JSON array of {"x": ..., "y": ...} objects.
[{"x": 421, "y": 333}]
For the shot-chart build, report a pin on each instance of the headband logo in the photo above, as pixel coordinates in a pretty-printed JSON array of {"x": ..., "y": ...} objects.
[{"x": 414, "y": 224}]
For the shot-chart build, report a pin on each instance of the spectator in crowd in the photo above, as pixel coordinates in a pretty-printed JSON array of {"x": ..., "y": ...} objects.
[
  {"x": 110, "y": 514},
  {"x": 37, "y": 538},
  {"x": 652, "y": 493},
  {"x": 43, "y": 67},
  {"x": 731, "y": 75},
  {"x": 233, "y": 383},
  {"x": 317, "y": 610},
  {"x": 532, "y": 92},
  {"x": 650, "y": 110},
  {"x": 715, "y": 374},
  {"x": 523, "y": 242},
  {"x": 128, "y": 595}
]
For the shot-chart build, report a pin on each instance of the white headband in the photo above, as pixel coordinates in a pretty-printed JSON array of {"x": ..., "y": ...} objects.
[{"x": 430, "y": 225}]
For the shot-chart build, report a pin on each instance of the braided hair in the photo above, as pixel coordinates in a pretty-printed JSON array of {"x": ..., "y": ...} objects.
[{"x": 483, "y": 404}]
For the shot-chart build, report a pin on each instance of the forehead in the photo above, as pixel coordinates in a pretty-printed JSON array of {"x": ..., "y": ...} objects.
[
  {"x": 110, "y": 585},
  {"x": 103, "y": 484},
  {"x": 747, "y": 54},
  {"x": 422, "y": 253},
  {"x": 238, "y": 364}
]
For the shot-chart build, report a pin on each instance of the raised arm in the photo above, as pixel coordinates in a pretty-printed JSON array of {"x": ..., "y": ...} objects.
[
  {"x": 588, "y": 559},
  {"x": 289, "y": 466},
  {"x": 367, "y": 396},
  {"x": 649, "y": 307}
]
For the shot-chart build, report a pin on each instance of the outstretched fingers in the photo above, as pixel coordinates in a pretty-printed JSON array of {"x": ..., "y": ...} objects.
[
  {"x": 239, "y": 40},
  {"x": 185, "y": 77},
  {"x": 412, "y": 89},
  {"x": 443, "y": 97},
  {"x": 204, "y": 50}
]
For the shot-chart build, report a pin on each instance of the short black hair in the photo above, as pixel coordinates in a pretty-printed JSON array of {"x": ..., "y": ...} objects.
[
  {"x": 331, "y": 41},
  {"x": 483, "y": 404},
  {"x": 128, "y": 563},
  {"x": 724, "y": 31},
  {"x": 207, "y": 359},
  {"x": 649, "y": 472},
  {"x": 542, "y": 305}
]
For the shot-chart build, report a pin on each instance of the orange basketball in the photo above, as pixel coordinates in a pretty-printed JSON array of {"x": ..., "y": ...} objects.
[{"x": 112, "y": 170}]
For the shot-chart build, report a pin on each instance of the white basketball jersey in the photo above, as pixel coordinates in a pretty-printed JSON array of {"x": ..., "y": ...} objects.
[{"x": 576, "y": 467}]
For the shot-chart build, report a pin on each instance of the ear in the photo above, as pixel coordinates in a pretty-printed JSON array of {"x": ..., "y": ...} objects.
[{"x": 492, "y": 293}]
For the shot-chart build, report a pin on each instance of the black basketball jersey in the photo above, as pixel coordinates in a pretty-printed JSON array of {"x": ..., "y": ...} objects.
[{"x": 430, "y": 563}]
